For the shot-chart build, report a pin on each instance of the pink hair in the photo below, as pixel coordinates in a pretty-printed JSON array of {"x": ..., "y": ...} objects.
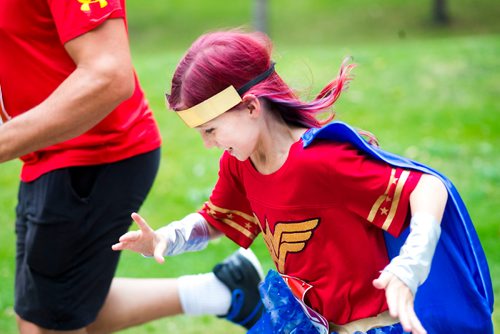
[{"x": 218, "y": 60}]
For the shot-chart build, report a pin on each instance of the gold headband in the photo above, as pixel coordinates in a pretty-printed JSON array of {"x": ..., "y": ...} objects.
[
  {"x": 210, "y": 108},
  {"x": 220, "y": 102}
]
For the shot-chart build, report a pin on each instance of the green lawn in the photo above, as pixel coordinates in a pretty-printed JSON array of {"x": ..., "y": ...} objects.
[{"x": 429, "y": 93}]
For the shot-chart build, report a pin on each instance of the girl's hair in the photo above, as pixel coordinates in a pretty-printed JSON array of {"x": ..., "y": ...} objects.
[{"x": 218, "y": 60}]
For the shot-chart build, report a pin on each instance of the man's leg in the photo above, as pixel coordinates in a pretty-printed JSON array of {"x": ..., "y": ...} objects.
[
  {"x": 231, "y": 292},
  {"x": 67, "y": 221},
  {"x": 132, "y": 302},
  {"x": 26, "y": 327}
]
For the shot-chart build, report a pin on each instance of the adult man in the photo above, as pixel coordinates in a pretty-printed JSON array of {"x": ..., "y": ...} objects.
[{"x": 74, "y": 112}]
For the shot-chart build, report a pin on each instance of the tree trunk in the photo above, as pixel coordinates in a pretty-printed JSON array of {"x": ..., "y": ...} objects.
[
  {"x": 260, "y": 15},
  {"x": 440, "y": 12}
]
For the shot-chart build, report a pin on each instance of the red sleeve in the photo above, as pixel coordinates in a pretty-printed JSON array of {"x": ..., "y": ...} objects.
[
  {"x": 76, "y": 17},
  {"x": 228, "y": 209},
  {"x": 375, "y": 190}
]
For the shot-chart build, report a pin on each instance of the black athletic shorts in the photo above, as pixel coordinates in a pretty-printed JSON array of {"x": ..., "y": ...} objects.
[{"x": 66, "y": 222}]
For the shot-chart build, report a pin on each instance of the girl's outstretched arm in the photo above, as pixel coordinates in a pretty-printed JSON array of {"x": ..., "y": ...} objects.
[
  {"x": 410, "y": 268},
  {"x": 192, "y": 233}
]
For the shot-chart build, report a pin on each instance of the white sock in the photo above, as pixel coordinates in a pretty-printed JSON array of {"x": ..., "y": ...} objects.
[{"x": 204, "y": 294}]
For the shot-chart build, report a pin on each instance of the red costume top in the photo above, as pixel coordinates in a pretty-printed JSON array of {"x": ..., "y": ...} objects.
[
  {"x": 33, "y": 63},
  {"x": 321, "y": 215}
]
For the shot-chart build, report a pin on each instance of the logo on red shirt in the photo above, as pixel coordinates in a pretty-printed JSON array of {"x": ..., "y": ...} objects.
[
  {"x": 288, "y": 237},
  {"x": 85, "y": 7}
]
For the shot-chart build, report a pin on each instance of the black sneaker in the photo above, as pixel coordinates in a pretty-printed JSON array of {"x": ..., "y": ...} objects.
[{"x": 241, "y": 273}]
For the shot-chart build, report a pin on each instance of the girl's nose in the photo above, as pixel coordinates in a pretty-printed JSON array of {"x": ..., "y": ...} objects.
[{"x": 208, "y": 141}]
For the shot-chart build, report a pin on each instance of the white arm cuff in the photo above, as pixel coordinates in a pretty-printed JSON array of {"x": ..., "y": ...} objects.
[
  {"x": 413, "y": 264},
  {"x": 187, "y": 235}
]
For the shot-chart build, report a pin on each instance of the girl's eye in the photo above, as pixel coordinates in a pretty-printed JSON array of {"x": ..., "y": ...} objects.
[{"x": 209, "y": 130}]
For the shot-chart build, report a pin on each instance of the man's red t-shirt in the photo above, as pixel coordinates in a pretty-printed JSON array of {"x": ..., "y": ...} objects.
[
  {"x": 33, "y": 63},
  {"x": 321, "y": 215}
]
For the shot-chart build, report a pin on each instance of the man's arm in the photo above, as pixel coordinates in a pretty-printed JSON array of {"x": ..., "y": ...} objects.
[{"x": 103, "y": 78}]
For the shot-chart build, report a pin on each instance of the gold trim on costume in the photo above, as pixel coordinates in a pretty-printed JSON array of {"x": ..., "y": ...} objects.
[
  {"x": 238, "y": 228},
  {"x": 231, "y": 222},
  {"x": 389, "y": 212},
  {"x": 382, "y": 198},
  {"x": 365, "y": 324},
  {"x": 210, "y": 108},
  {"x": 397, "y": 195},
  {"x": 243, "y": 215}
]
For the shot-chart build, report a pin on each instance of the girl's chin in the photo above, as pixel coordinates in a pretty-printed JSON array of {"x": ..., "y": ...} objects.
[
  {"x": 238, "y": 157},
  {"x": 235, "y": 155}
]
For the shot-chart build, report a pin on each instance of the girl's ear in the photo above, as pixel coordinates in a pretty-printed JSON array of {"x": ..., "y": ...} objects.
[{"x": 252, "y": 103}]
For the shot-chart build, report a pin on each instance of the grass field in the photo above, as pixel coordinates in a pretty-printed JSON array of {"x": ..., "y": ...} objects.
[{"x": 430, "y": 93}]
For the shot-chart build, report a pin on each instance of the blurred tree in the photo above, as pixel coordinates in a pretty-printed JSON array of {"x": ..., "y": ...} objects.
[
  {"x": 440, "y": 12},
  {"x": 260, "y": 15}
]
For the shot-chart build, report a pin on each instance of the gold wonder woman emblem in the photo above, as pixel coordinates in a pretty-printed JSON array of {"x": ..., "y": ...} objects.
[
  {"x": 85, "y": 7},
  {"x": 288, "y": 237}
]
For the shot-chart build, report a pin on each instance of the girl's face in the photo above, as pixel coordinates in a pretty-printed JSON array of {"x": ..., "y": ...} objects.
[{"x": 234, "y": 131}]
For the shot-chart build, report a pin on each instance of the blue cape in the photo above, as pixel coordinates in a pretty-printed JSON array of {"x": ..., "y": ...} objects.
[{"x": 457, "y": 296}]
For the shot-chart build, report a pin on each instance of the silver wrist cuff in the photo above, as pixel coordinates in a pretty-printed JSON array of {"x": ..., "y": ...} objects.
[
  {"x": 187, "y": 235},
  {"x": 413, "y": 264}
]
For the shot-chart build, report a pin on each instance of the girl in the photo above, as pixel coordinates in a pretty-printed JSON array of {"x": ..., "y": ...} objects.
[{"x": 320, "y": 195}]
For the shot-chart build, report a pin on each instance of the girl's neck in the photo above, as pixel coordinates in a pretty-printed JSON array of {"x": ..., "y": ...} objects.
[{"x": 274, "y": 146}]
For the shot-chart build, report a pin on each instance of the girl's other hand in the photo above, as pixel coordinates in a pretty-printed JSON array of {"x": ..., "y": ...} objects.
[{"x": 400, "y": 301}]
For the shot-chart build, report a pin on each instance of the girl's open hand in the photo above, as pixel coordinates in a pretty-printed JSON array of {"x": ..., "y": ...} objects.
[
  {"x": 400, "y": 301},
  {"x": 145, "y": 241}
]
